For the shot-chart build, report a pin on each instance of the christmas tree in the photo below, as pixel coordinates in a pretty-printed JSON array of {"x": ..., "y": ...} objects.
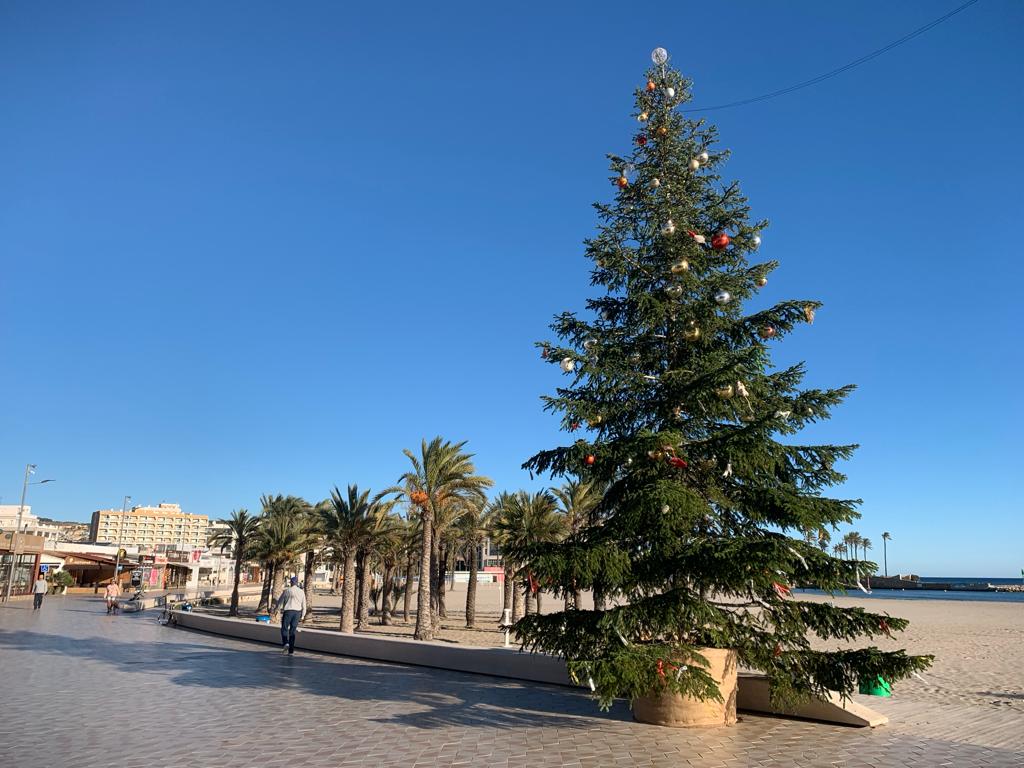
[{"x": 703, "y": 530}]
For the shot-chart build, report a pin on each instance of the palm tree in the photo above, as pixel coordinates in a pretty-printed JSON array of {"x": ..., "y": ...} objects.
[
  {"x": 390, "y": 546},
  {"x": 241, "y": 530},
  {"x": 577, "y": 499},
  {"x": 375, "y": 532},
  {"x": 852, "y": 541},
  {"x": 470, "y": 532},
  {"x": 278, "y": 554},
  {"x": 315, "y": 555},
  {"x": 344, "y": 525},
  {"x": 866, "y": 544},
  {"x": 885, "y": 554},
  {"x": 839, "y": 550},
  {"x": 442, "y": 479},
  {"x": 496, "y": 510},
  {"x": 528, "y": 518},
  {"x": 282, "y": 540}
]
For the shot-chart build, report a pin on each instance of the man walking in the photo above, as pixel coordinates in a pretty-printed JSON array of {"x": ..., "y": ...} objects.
[
  {"x": 293, "y": 604},
  {"x": 38, "y": 591}
]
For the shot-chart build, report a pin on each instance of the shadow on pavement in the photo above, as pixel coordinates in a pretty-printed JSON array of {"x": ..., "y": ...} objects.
[{"x": 444, "y": 698}]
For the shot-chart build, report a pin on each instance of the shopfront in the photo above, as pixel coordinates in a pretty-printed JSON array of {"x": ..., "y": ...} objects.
[{"x": 25, "y": 559}]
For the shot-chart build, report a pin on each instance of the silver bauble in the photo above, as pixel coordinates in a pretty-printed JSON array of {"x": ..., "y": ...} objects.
[
  {"x": 655, "y": 182},
  {"x": 589, "y": 344},
  {"x": 568, "y": 364},
  {"x": 675, "y": 291},
  {"x": 669, "y": 228},
  {"x": 694, "y": 164},
  {"x": 659, "y": 56},
  {"x": 703, "y": 157},
  {"x": 723, "y": 297},
  {"x": 756, "y": 240},
  {"x": 670, "y": 92}
]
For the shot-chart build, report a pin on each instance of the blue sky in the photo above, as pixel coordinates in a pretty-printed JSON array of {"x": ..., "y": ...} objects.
[{"x": 253, "y": 247}]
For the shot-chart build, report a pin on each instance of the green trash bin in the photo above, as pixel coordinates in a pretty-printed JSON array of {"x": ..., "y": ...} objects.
[{"x": 877, "y": 687}]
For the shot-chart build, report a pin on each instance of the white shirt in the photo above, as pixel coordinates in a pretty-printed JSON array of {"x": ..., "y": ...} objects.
[{"x": 39, "y": 588}]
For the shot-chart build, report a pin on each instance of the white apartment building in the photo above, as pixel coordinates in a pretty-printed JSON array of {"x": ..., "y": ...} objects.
[
  {"x": 149, "y": 527},
  {"x": 30, "y": 524}
]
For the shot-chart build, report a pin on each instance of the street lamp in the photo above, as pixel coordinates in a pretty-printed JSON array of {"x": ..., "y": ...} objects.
[
  {"x": 30, "y": 469},
  {"x": 120, "y": 537}
]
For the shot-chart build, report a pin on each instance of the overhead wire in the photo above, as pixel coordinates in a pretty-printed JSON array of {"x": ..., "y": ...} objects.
[{"x": 839, "y": 70}]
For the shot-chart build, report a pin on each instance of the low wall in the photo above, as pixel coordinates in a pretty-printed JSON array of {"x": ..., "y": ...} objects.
[{"x": 498, "y": 662}]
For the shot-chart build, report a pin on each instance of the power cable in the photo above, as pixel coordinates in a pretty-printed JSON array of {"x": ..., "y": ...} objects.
[{"x": 840, "y": 70}]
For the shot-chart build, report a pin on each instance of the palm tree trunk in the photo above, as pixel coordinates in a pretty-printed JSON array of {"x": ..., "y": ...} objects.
[
  {"x": 360, "y": 609},
  {"x": 442, "y": 565},
  {"x": 386, "y": 594},
  {"x": 233, "y": 608},
  {"x": 348, "y": 592},
  {"x": 364, "y": 592},
  {"x": 277, "y": 584},
  {"x": 424, "y": 626},
  {"x": 537, "y": 598},
  {"x": 265, "y": 592},
  {"x": 435, "y": 556},
  {"x": 517, "y": 602},
  {"x": 474, "y": 567},
  {"x": 526, "y": 598},
  {"x": 600, "y": 603},
  {"x": 509, "y": 587},
  {"x": 307, "y": 583},
  {"x": 407, "y": 595}
]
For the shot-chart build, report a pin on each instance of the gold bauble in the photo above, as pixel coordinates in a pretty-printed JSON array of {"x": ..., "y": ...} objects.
[
  {"x": 655, "y": 182},
  {"x": 642, "y": 117},
  {"x": 656, "y": 455},
  {"x": 762, "y": 282},
  {"x": 662, "y": 130},
  {"x": 680, "y": 266},
  {"x": 725, "y": 392},
  {"x": 692, "y": 333}
]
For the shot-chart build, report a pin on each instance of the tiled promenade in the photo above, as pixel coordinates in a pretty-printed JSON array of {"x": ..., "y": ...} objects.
[{"x": 86, "y": 690}]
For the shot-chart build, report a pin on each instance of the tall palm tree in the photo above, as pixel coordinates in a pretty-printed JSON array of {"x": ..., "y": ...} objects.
[
  {"x": 866, "y": 544},
  {"x": 278, "y": 508},
  {"x": 442, "y": 478},
  {"x": 470, "y": 532},
  {"x": 839, "y": 550},
  {"x": 390, "y": 548},
  {"x": 496, "y": 511},
  {"x": 375, "y": 533},
  {"x": 886, "y": 536},
  {"x": 577, "y": 500},
  {"x": 344, "y": 525},
  {"x": 528, "y": 518},
  {"x": 282, "y": 540},
  {"x": 315, "y": 555},
  {"x": 242, "y": 529}
]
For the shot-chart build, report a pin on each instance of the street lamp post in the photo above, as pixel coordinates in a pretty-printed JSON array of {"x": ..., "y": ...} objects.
[
  {"x": 120, "y": 537},
  {"x": 30, "y": 470}
]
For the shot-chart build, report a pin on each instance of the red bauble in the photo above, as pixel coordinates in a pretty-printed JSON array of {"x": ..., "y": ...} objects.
[
  {"x": 767, "y": 332},
  {"x": 720, "y": 241},
  {"x": 651, "y": 86},
  {"x": 590, "y": 459},
  {"x": 675, "y": 461},
  {"x": 574, "y": 426},
  {"x": 622, "y": 182},
  {"x": 641, "y": 139}
]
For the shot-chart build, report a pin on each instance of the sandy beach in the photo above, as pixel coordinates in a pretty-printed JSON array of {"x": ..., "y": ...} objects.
[{"x": 975, "y": 690}]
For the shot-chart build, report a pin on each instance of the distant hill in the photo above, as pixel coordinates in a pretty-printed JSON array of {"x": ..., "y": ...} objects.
[{"x": 71, "y": 530}]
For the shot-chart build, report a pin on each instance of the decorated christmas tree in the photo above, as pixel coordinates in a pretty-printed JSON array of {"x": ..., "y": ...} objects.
[{"x": 713, "y": 507}]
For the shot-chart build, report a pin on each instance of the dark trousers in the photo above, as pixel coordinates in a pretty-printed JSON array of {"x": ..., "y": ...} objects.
[
  {"x": 289, "y": 625},
  {"x": 37, "y": 601}
]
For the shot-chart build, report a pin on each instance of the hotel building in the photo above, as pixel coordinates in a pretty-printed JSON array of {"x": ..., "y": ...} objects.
[{"x": 149, "y": 527}]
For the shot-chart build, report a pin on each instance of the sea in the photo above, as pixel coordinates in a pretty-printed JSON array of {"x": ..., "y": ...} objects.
[{"x": 935, "y": 594}]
